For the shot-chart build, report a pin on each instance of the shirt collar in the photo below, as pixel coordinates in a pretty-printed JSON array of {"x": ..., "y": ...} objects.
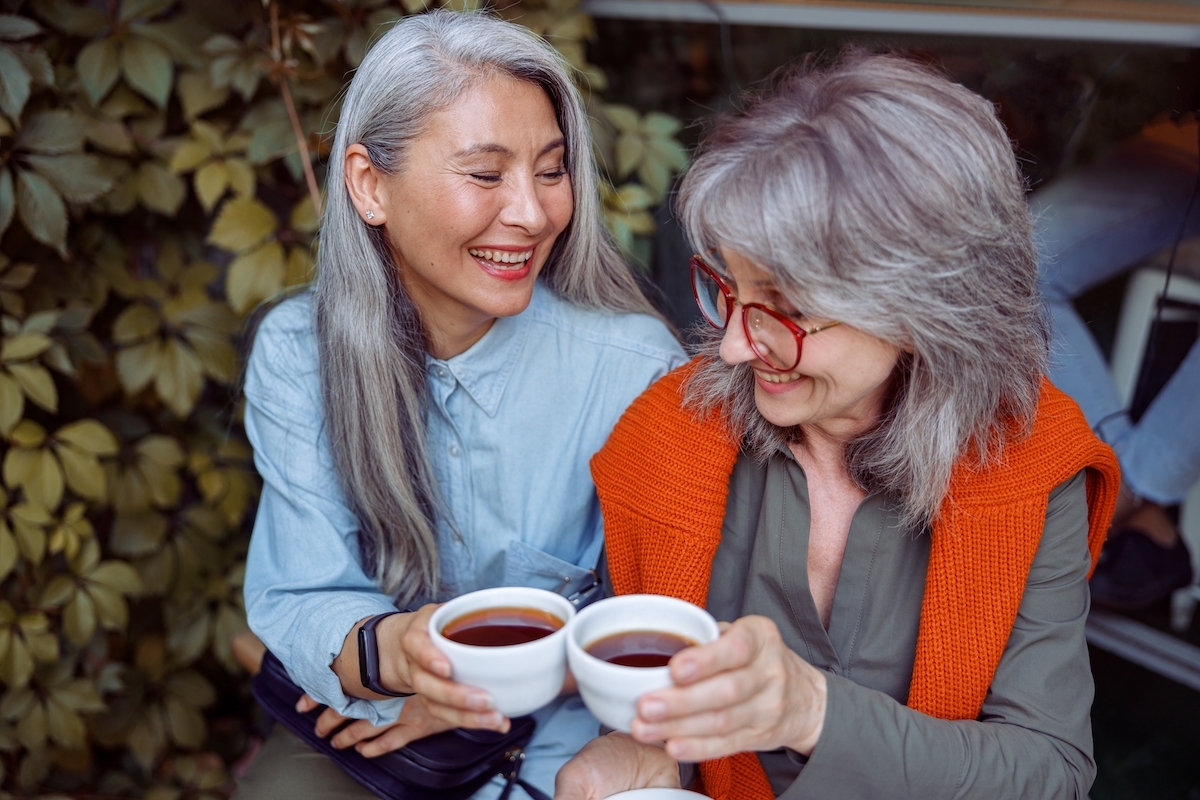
[{"x": 484, "y": 369}]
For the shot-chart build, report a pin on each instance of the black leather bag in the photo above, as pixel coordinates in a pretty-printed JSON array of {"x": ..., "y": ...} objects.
[{"x": 446, "y": 766}]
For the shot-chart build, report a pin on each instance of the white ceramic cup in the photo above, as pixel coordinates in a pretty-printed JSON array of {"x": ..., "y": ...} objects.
[
  {"x": 521, "y": 677},
  {"x": 611, "y": 691}
]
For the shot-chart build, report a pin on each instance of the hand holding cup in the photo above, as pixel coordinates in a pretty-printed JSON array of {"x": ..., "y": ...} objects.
[
  {"x": 745, "y": 691},
  {"x": 409, "y": 661},
  {"x": 619, "y": 648},
  {"x": 474, "y": 634}
]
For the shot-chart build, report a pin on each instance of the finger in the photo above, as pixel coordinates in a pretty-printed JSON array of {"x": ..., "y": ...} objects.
[
  {"x": 704, "y": 748},
  {"x": 735, "y": 648},
  {"x": 354, "y": 733},
  {"x": 744, "y": 719},
  {"x": 464, "y": 698},
  {"x": 399, "y": 736},
  {"x": 306, "y": 704},
  {"x": 456, "y": 717},
  {"x": 329, "y": 721},
  {"x": 726, "y": 690},
  {"x": 393, "y": 738}
]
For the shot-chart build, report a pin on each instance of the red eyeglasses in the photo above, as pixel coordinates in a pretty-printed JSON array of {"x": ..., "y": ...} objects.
[{"x": 775, "y": 339}]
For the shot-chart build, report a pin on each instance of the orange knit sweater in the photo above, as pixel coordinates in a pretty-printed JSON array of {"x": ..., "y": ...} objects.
[{"x": 663, "y": 478}]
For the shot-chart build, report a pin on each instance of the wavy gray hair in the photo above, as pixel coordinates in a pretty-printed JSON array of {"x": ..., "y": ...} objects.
[
  {"x": 371, "y": 336},
  {"x": 879, "y": 193}
]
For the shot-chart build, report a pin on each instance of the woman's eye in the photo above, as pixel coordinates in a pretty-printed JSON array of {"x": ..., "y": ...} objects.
[
  {"x": 486, "y": 177},
  {"x": 554, "y": 174}
]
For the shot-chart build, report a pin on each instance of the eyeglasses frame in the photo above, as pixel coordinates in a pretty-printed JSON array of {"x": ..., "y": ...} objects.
[{"x": 697, "y": 262}]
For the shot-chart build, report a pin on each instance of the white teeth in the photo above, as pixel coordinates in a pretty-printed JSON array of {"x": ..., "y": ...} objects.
[
  {"x": 775, "y": 377},
  {"x": 502, "y": 256}
]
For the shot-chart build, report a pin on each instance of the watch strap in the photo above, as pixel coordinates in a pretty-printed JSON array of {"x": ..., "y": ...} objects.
[{"x": 368, "y": 657}]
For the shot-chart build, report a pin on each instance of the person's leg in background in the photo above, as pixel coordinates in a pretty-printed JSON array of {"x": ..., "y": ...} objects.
[{"x": 1092, "y": 225}]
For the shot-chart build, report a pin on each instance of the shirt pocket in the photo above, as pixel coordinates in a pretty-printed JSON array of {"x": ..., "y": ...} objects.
[{"x": 526, "y": 565}]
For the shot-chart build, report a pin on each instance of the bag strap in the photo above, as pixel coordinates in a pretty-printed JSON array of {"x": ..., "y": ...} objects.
[{"x": 511, "y": 772}]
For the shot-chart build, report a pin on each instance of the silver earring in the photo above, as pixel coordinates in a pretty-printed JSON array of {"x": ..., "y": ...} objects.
[{"x": 370, "y": 215}]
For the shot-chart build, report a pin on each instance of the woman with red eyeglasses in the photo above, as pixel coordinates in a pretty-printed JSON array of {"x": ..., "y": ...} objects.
[{"x": 864, "y": 473}]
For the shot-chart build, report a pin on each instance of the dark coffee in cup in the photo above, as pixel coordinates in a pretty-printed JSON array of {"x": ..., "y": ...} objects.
[
  {"x": 501, "y": 626},
  {"x": 638, "y": 648}
]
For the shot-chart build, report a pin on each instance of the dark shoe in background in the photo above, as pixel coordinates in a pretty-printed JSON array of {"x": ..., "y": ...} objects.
[{"x": 1135, "y": 572}]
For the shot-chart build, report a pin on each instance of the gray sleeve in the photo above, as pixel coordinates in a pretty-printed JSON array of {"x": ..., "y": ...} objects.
[{"x": 1033, "y": 737}]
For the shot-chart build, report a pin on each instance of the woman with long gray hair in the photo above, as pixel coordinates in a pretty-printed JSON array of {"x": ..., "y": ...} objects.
[
  {"x": 423, "y": 417},
  {"x": 865, "y": 473}
]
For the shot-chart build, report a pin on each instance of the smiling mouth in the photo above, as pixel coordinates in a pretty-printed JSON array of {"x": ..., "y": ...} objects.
[
  {"x": 777, "y": 377},
  {"x": 503, "y": 259}
]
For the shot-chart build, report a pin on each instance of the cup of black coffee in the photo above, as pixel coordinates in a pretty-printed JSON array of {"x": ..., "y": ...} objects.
[
  {"x": 618, "y": 649},
  {"x": 510, "y": 641}
]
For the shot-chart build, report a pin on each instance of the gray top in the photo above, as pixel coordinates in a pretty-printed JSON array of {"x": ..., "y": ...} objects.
[{"x": 1033, "y": 738}]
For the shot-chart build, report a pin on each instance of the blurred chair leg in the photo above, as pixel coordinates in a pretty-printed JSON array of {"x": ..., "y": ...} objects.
[
  {"x": 1129, "y": 349},
  {"x": 1184, "y": 601}
]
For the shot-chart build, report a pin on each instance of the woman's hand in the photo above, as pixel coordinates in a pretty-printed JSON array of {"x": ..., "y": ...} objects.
[
  {"x": 424, "y": 669},
  {"x": 745, "y": 691},
  {"x": 614, "y": 763},
  {"x": 415, "y": 722},
  {"x": 410, "y": 662}
]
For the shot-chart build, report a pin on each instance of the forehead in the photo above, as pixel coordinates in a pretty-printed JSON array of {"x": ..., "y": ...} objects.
[
  {"x": 499, "y": 115},
  {"x": 743, "y": 269}
]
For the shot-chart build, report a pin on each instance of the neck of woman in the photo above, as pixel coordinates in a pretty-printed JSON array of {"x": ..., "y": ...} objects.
[{"x": 819, "y": 452}]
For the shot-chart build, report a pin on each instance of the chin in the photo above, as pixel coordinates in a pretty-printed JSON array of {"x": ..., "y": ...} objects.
[
  {"x": 783, "y": 418},
  {"x": 778, "y": 411},
  {"x": 508, "y": 303}
]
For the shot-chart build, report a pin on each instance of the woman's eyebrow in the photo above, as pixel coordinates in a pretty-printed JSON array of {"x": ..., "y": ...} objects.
[
  {"x": 499, "y": 149},
  {"x": 482, "y": 147}
]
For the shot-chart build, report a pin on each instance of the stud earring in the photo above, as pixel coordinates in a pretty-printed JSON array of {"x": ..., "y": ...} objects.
[{"x": 370, "y": 215}]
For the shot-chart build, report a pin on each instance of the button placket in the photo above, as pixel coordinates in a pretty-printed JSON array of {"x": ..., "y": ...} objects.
[{"x": 458, "y": 477}]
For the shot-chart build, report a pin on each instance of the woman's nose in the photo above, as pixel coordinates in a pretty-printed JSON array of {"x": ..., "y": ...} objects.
[
  {"x": 735, "y": 348},
  {"x": 524, "y": 208}
]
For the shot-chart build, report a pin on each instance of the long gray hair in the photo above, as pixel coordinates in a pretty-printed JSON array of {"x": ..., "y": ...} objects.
[
  {"x": 881, "y": 194},
  {"x": 371, "y": 336}
]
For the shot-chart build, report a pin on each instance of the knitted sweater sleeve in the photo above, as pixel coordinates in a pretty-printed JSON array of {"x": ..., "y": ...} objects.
[{"x": 1033, "y": 736}]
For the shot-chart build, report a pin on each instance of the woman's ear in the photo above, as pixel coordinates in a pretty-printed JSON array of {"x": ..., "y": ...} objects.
[{"x": 362, "y": 181}]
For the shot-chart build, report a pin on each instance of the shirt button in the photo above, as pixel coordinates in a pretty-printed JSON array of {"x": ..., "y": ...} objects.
[
  {"x": 440, "y": 372},
  {"x": 454, "y": 450}
]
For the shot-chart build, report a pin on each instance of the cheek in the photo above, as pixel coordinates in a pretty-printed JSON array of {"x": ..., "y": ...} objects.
[
  {"x": 454, "y": 213},
  {"x": 877, "y": 370},
  {"x": 559, "y": 204}
]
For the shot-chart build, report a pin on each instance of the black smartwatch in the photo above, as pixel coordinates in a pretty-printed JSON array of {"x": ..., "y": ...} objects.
[{"x": 368, "y": 657}]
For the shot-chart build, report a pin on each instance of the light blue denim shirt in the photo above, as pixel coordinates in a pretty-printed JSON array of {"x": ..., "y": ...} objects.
[{"x": 512, "y": 424}]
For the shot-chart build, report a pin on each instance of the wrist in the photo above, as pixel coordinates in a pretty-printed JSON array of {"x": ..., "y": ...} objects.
[
  {"x": 813, "y": 702},
  {"x": 393, "y": 662},
  {"x": 380, "y": 657}
]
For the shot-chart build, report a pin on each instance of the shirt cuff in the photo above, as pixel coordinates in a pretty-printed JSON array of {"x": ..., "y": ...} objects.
[
  {"x": 870, "y": 745},
  {"x": 317, "y": 637}
]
